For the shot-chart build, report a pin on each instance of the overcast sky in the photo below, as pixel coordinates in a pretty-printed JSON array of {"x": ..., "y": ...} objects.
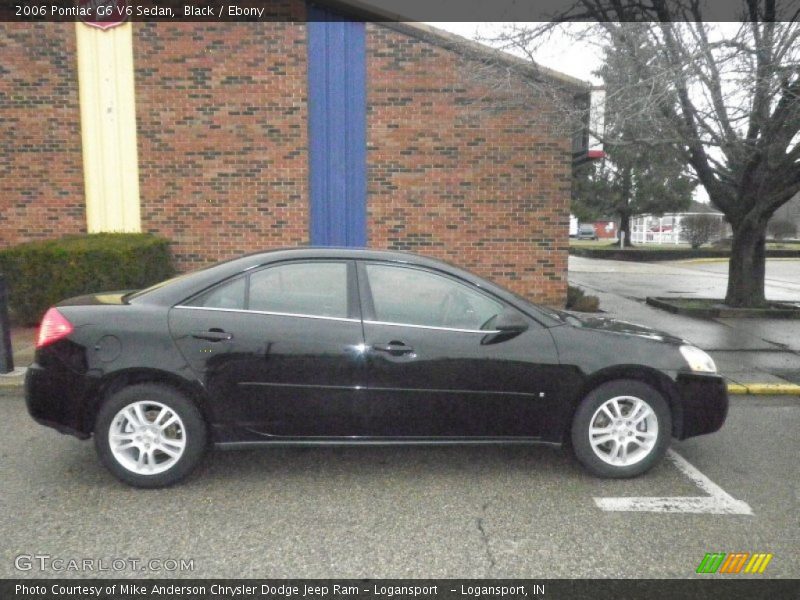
[{"x": 560, "y": 54}]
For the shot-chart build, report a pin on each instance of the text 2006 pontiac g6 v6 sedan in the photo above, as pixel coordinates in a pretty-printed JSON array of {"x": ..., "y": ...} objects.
[{"x": 343, "y": 346}]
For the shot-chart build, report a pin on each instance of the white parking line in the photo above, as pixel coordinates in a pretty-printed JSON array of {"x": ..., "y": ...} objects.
[{"x": 718, "y": 501}]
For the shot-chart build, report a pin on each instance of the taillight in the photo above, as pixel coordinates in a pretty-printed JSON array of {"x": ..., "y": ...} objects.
[{"x": 53, "y": 328}]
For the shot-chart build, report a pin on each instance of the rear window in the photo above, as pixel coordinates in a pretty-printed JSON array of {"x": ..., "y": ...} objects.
[
  {"x": 228, "y": 295},
  {"x": 156, "y": 286},
  {"x": 303, "y": 288}
]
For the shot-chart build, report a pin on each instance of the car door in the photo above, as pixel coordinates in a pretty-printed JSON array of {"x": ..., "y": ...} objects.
[
  {"x": 279, "y": 349},
  {"x": 436, "y": 367}
]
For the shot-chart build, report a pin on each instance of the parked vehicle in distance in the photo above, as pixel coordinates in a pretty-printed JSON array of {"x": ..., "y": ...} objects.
[
  {"x": 587, "y": 232},
  {"x": 319, "y": 346}
]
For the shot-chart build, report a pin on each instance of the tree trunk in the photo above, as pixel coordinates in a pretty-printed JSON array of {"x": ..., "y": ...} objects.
[
  {"x": 625, "y": 228},
  {"x": 747, "y": 264},
  {"x": 625, "y": 206}
]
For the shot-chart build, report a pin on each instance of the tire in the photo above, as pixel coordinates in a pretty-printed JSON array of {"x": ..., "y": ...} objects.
[
  {"x": 641, "y": 419},
  {"x": 149, "y": 435}
]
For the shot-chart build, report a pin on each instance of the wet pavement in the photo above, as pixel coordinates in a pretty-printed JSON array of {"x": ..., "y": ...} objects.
[
  {"x": 746, "y": 350},
  {"x": 698, "y": 279}
]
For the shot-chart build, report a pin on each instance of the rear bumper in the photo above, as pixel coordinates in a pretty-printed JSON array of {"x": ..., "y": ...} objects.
[
  {"x": 704, "y": 404},
  {"x": 53, "y": 397}
]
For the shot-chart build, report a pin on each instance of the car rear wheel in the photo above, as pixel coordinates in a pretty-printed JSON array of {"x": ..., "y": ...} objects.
[
  {"x": 149, "y": 435},
  {"x": 621, "y": 429}
]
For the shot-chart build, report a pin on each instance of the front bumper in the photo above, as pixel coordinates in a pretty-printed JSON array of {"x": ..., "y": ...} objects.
[{"x": 703, "y": 404}]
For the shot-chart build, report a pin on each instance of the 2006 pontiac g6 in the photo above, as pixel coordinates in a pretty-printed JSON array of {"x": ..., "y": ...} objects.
[{"x": 341, "y": 346}]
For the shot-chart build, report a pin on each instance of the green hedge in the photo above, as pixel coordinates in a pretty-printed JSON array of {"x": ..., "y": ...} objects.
[{"x": 39, "y": 274}]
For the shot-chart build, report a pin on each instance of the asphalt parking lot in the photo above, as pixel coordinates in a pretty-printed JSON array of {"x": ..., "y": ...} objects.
[{"x": 404, "y": 512}]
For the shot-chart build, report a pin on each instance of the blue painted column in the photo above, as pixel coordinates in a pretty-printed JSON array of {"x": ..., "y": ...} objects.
[{"x": 337, "y": 118}]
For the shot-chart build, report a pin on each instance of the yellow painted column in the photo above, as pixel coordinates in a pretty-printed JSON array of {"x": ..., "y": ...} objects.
[{"x": 108, "y": 128}]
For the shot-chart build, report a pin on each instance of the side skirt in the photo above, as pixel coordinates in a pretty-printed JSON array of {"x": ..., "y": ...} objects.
[{"x": 500, "y": 441}]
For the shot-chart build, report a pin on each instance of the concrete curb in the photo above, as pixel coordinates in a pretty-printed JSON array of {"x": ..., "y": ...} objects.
[
  {"x": 765, "y": 389},
  {"x": 720, "y": 311},
  {"x": 708, "y": 260},
  {"x": 716, "y": 260},
  {"x": 643, "y": 255},
  {"x": 14, "y": 379}
]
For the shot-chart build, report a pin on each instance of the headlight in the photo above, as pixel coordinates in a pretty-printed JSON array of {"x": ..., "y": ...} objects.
[{"x": 698, "y": 360}]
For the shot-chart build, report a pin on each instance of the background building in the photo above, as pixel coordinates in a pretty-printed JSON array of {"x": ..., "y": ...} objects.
[
  {"x": 232, "y": 137},
  {"x": 666, "y": 228},
  {"x": 605, "y": 228}
]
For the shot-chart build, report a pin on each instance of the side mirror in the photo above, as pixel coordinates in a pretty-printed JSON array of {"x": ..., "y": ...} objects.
[{"x": 510, "y": 321}]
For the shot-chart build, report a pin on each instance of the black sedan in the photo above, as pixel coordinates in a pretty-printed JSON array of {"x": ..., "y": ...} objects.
[{"x": 341, "y": 346}]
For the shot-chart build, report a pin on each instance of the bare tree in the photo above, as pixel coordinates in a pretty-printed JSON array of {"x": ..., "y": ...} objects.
[
  {"x": 634, "y": 177},
  {"x": 726, "y": 96}
]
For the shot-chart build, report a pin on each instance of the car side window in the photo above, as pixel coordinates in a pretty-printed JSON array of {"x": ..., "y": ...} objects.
[
  {"x": 229, "y": 295},
  {"x": 311, "y": 288},
  {"x": 416, "y": 297}
]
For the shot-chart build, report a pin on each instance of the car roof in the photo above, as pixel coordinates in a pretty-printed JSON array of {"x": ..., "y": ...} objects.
[
  {"x": 335, "y": 252},
  {"x": 179, "y": 288},
  {"x": 256, "y": 259}
]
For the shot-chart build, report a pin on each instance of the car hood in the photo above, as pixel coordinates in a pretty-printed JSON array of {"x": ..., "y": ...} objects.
[{"x": 617, "y": 326}]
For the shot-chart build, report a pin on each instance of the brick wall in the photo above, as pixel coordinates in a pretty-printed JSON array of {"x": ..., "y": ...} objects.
[
  {"x": 41, "y": 168},
  {"x": 486, "y": 190},
  {"x": 223, "y": 149},
  {"x": 222, "y": 134}
]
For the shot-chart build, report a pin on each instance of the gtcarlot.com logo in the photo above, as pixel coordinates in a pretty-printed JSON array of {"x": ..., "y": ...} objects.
[
  {"x": 735, "y": 562},
  {"x": 47, "y": 562}
]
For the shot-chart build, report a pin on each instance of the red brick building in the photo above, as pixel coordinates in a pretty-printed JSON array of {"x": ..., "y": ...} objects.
[{"x": 236, "y": 145}]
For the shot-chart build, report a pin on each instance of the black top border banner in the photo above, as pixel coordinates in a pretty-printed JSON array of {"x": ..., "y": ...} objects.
[
  {"x": 112, "y": 12},
  {"x": 710, "y": 587}
]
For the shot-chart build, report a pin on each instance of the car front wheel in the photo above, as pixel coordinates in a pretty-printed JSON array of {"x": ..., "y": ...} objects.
[
  {"x": 621, "y": 429},
  {"x": 150, "y": 435}
]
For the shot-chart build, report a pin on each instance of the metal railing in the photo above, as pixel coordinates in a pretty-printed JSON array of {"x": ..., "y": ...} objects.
[{"x": 655, "y": 237}]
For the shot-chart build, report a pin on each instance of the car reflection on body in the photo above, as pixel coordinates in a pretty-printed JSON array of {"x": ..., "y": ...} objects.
[{"x": 344, "y": 346}]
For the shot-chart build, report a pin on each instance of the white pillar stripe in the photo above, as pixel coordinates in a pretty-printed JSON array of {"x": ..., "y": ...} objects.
[{"x": 108, "y": 128}]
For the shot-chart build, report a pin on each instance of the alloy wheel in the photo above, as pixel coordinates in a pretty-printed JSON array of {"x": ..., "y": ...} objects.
[
  {"x": 147, "y": 437},
  {"x": 623, "y": 430}
]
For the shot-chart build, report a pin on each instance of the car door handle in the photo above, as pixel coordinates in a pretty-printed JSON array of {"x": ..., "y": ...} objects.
[
  {"x": 395, "y": 348},
  {"x": 212, "y": 335}
]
